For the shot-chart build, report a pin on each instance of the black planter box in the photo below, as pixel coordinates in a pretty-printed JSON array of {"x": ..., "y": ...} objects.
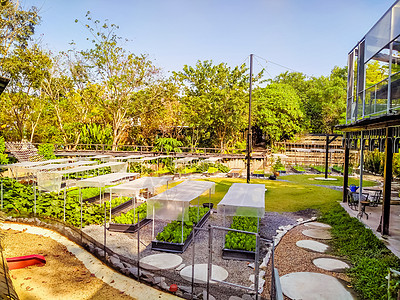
[
  {"x": 298, "y": 172},
  {"x": 121, "y": 207},
  {"x": 128, "y": 228},
  {"x": 257, "y": 175},
  {"x": 238, "y": 254},
  {"x": 178, "y": 247}
]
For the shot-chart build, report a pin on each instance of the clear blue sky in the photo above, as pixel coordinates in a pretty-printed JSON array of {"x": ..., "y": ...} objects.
[{"x": 310, "y": 36}]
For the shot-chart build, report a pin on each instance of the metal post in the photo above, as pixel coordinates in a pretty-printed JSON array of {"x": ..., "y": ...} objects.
[
  {"x": 361, "y": 172},
  {"x": 65, "y": 199},
  {"x": 105, "y": 227},
  {"x": 34, "y": 195},
  {"x": 346, "y": 168},
  {"x": 193, "y": 254},
  {"x": 152, "y": 237},
  {"x": 249, "y": 128},
  {"x": 209, "y": 265},
  {"x": 138, "y": 250},
  {"x": 256, "y": 267},
  {"x": 80, "y": 198},
  {"x": 110, "y": 202},
  {"x": 387, "y": 186}
]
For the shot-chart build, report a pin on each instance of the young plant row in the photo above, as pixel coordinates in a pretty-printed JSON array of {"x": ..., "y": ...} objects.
[
  {"x": 173, "y": 231},
  {"x": 18, "y": 200},
  {"x": 239, "y": 240},
  {"x": 131, "y": 216}
]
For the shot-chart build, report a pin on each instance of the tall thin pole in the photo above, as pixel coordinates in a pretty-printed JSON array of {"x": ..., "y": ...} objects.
[{"x": 249, "y": 129}]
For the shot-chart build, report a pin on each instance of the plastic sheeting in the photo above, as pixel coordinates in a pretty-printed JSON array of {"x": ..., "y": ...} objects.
[
  {"x": 243, "y": 199},
  {"x": 107, "y": 179},
  {"x": 133, "y": 188},
  {"x": 49, "y": 182},
  {"x": 173, "y": 204}
]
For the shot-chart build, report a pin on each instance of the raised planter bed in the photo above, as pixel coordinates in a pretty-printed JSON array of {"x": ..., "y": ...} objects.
[
  {"x": 178, "y": 247},
  {"x": 238, "y": 254},
  {"x": 297, "y": 171},
  {"x": 128, "y": 228},
  {"x": 256, "y": 175},
  {"x": 121, "y": 207}
]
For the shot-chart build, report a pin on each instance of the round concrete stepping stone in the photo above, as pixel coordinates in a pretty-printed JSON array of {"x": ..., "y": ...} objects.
[
  {"x": 200, "y": 273},
  {"x": 312, "y": 245},
  {"x": 321, "y": 234},
  {"x": 313, "y": 286},
  {"x": 162, "y": 261},
  {"x": 330, "y": 264},
  {"x": 318, "y": 225}
]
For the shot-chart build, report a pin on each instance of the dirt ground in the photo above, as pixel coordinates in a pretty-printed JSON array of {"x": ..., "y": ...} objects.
[{"x": 63, "y": 276}]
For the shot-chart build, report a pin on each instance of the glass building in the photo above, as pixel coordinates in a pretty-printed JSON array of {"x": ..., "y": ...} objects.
[{"x": 373, "y": 88}]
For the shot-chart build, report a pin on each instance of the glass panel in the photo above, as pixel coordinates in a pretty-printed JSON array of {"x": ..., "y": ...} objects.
[
  {"x": 395, "y": 20},
  {"x": 395, "y": 91},
  {"x": 396, "y": 56},
  {"x": 377, "y": 68},
  {"x": 369, "y": 101},
  {"x": 381, "y": 96},
  {"x": 378, "y": 36},
  {"x": 359, "y": 106}
]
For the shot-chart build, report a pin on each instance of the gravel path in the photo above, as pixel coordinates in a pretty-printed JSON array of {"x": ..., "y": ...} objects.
[
  {"x": 291, "y": 258},
  {"x": 125, "y": 244}
]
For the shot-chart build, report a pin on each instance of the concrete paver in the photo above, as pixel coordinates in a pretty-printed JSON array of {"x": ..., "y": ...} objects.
[
  {"x": 330, "y": 264},
  {"x": 313, "y": 286}
]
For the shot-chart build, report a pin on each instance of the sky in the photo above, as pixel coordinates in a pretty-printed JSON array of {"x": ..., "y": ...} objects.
[{"x": 308, "y": 36}]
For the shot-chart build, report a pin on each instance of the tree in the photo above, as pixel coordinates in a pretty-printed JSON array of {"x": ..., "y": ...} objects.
[
  {"x": 215, "y": 99},
  {"x": 22, "y": 103},
  {"x": 16, "y": 27},
  {"x": 278, "y": 111},
  {"x": 119, "y": 73}
]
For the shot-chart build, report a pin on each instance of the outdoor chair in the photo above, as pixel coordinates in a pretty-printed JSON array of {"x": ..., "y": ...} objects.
[
  {"x": 353, "y": 200},
  {"x": 375, "y": 198}
]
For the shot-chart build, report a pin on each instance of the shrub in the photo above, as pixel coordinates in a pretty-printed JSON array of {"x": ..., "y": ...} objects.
[{"x": 47, "y": 151}]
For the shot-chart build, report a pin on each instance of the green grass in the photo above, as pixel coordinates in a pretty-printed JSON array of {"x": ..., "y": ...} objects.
[
  {"x": 280, "y": 196},
  {"x": 310, "y": 179}
]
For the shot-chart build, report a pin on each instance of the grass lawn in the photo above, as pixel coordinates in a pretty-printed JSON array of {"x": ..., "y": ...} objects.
[
  {"x": 310, "y": 179},
  {"x": 280, "y": 196},
  {"x": 297, "y": 192}
]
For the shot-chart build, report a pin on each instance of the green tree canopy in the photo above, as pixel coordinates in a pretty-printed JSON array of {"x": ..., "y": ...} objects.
[{"x": 278, "y": 111}]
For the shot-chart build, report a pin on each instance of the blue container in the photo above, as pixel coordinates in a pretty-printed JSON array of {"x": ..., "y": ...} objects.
[{"x": 353, "y": 188}]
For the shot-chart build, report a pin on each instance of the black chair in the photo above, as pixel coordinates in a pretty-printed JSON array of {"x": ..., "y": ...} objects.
[
  {"x": 353, "y": 200},
  {"x": 375, "y": 198}
]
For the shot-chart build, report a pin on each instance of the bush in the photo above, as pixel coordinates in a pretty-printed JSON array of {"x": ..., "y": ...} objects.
[
  {"x": 47, "y": 151},
  {"x": 374, "y": 161},
  {"x": 3, "y": 156}
]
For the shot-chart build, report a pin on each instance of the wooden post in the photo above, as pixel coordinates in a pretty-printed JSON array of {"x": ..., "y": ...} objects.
[
  {"x": 346, "y": 168},
  {"x": 387, "y": 183}
]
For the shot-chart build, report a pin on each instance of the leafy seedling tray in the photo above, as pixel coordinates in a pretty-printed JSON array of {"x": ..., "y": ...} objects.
[
  {"x": 128, "y": 228},
  {"x": 178, "y": 247}
]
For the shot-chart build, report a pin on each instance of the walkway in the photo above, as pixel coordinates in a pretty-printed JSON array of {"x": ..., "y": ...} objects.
[{"x": 392, "y": 241}]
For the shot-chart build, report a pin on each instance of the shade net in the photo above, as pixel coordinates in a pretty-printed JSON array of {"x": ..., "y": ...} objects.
[
  {"x": 173, "y": 204},
  {"x": 243, "y": 199}
]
